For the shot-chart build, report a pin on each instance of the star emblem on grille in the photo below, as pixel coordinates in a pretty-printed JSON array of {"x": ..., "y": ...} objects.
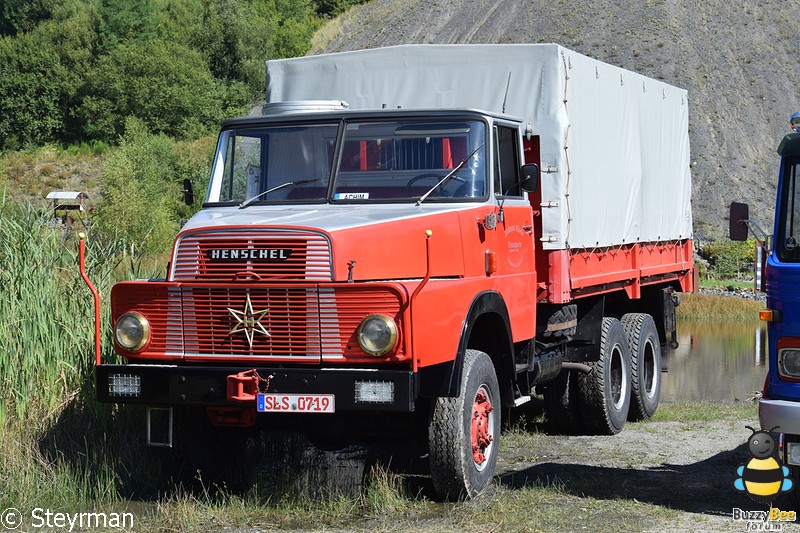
[{"x": 249, "y": 321}]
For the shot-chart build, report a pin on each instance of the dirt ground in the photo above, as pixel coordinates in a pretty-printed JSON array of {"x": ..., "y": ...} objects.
[
  {"x": 689, "y": 467},
  {"x": 655, "y": 476}
]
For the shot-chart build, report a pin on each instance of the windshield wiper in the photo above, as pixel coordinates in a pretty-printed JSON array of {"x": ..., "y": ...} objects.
[
  {"x": 449, "y": 175},
  {"x": 273, "y": 189}
]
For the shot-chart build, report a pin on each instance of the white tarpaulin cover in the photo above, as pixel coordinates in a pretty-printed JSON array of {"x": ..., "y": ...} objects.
[{"x": 614, "y": 144}]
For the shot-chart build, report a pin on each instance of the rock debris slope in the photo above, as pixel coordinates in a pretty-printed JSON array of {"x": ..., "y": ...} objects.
[{"x": 737, "y": 59}]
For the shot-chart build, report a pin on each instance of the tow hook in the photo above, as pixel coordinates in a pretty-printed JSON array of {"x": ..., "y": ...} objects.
[{"x": 245, "y": 386}]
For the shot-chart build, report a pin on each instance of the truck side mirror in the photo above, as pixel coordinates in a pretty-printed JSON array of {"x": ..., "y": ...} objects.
[
  {"x": 530, "y": 177},
  {"x": 188, "y": 192},
  {"x": 737, "y": 228}
]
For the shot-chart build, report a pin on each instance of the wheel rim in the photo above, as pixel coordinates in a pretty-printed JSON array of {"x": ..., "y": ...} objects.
[
  {"x": 482, "y": 424},
  {"x": 618, "y": 374},
  {"x": 649, "y": 372}
]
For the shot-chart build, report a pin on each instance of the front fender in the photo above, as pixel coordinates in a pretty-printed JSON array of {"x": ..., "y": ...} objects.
[{"x": 444, "y": 379}]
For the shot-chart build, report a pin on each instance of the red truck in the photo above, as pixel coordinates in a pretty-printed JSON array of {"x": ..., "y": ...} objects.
[{"x": 409, "y": 240}]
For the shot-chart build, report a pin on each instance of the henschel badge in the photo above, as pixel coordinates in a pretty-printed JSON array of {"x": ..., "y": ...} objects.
[{"x": 249, "y": 321}]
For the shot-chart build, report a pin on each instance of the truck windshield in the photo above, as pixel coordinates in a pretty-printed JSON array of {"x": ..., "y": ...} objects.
[
  {"x": 788, "y": 238},
  {"x": 377, "y": 162},
  {"x": 293, "y": 161},
  {"x": 404, "y": 160}
]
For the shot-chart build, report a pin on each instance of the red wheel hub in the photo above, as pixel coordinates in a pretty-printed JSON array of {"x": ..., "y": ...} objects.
[{"x": 481, "y": 438}]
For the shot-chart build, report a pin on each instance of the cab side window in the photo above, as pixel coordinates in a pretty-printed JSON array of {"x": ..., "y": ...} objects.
[
  {"x": 506, "y": 168},
  {"x": 789, "y": 245}
]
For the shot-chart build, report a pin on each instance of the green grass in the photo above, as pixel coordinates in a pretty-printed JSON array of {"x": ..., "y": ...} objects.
[
  {"x": 706, "y": 412},
  {"x": 724, "y": 284},
  {"x": 713, "y": 307}
]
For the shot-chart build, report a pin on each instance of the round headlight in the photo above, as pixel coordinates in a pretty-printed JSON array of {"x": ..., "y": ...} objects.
[
  {"x": 377, "y": 335},
  {"x": 789, "y": 363},
  {"x": 132, "y": 331}
]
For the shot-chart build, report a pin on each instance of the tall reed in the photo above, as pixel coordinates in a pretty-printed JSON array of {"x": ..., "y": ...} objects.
[
  {"x": 46, "y": 316},
  {"x": 47, "y": 411}
]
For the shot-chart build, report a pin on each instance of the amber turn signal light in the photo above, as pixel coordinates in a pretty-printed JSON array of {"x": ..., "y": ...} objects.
[{"x": 769, "y": 315}]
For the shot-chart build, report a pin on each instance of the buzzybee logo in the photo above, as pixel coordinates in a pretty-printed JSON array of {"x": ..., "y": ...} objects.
[{"x": 762, "y": 478}]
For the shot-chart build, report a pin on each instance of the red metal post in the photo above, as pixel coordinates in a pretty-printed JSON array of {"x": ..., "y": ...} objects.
[
  {"x": 95, "y": 294},
  {"x": 422, "y": 283}
]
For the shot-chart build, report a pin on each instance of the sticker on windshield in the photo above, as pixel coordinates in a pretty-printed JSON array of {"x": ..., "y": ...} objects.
[{"x": 351, "y": 196}]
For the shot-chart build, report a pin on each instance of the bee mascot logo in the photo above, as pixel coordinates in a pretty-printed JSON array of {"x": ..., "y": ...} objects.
[{"x": 762, "y": 478}]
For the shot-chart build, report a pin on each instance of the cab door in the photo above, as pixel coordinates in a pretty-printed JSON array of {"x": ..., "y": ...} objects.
[{"x": 515, "y": 265}]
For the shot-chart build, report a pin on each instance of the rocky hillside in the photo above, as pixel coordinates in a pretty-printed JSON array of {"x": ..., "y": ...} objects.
[{"x": 736, "y": 58}]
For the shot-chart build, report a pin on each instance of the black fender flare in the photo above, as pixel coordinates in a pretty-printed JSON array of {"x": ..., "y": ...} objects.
[{"x": 444, "y": 379}]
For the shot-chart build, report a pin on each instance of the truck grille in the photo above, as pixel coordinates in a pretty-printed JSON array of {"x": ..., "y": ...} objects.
[
  {"x": 302, "y": 324},
  {"x": 290, "y": 316},
  {"x": 260, "y": 254}
]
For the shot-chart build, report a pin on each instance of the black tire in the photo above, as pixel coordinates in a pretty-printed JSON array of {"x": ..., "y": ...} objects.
[
  {"x": 562, "y": 323},
  {"x": 605, "y": 391},
  {"x": 561, "y": 404},
  {"x": 645, "y": 365},
  {"x": 456, "y": 469}
]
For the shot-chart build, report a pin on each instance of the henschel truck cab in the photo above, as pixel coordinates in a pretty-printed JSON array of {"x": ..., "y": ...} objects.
[{"x": 410, "y": 240}]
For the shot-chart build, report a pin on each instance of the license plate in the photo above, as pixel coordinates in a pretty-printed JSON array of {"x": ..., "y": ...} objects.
[{"x": 273, "y": 402}]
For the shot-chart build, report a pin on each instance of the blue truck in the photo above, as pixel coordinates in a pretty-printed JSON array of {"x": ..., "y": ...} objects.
[{"x": 778, "y": 274}]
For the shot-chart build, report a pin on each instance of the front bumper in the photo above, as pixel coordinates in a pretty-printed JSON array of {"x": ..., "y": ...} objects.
[
  {"x": 783, "y": 414},
  {"x": 172, "y": 385}
]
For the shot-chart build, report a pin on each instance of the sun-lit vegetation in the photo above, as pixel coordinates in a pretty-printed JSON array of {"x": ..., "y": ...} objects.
[
  {"x": 121, "y": 99},
  {"x": 714, "y": 307}
]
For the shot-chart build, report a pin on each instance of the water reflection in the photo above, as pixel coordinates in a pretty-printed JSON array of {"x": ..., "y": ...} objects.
[{"x": 716, "y": 361}]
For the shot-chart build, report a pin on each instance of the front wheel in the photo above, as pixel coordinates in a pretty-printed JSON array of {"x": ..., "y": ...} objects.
[{"x": 464, "y": 432}]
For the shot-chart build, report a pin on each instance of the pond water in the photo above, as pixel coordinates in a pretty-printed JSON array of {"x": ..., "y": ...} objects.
[{"x": 716, "y": 361}]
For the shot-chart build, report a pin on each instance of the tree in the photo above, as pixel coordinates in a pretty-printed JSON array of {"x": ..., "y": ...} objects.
[
  {"x": 19, "y": 16},
  {"x": 166, "y": 85},
  {"x": 30, "y": 89},
  {"x": 332, "y": 8},
  {"x": 124, "y": 21}
]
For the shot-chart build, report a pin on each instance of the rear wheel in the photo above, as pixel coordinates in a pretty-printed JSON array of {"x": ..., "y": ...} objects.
[
  {"x": 605, "y": 391},
  {"x": 464, "y": 432},
  {"x": 645, "y": 365}
]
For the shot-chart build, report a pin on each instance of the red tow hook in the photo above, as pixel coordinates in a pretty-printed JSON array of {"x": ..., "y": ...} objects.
[{"x": 245, "y": 386}]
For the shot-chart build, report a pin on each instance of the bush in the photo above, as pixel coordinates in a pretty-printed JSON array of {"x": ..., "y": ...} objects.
[
  {"x": 142, "y": 201},
  {"x": 729, "y": 259},
  {"x": 165, "y": 85}
]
